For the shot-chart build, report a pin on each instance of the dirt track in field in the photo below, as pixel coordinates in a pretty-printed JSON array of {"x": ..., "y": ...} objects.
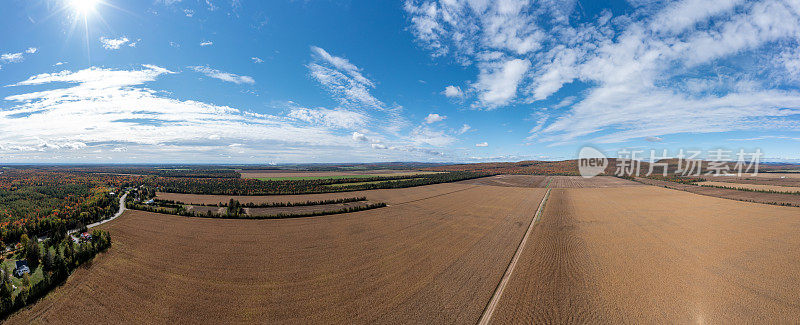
[
  {"x": 435, "y": 256},
  {"x": 654, "y": 255}
]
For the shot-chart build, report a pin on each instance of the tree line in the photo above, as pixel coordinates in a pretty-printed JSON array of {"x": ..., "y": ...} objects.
[
  {"x": 235, "y": 210},
  {"x": 305, "y": 186},
  {"x": 173, "y": 203},
  {"x": 60, "y": 258}
]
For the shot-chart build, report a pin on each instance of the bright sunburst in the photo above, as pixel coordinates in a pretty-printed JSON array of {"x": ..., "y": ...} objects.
[{"x": 83, "y": 7}]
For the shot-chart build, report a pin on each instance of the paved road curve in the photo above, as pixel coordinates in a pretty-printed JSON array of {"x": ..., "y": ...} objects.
[{"x": 119, "y": 213}]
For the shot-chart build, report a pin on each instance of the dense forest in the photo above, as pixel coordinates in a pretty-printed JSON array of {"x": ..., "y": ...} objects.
[{"x": 39, "y": 202}]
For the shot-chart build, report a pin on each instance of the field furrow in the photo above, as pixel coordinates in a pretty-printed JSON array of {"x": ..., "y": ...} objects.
[
  {"x": 435, "y": 259},
  {"x": 664, "y": 257}
]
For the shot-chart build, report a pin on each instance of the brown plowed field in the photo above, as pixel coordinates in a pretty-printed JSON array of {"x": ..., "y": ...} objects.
[
  {"x": 289, "y": 174},
  {"x": 511, "y": 180},
  {"x": 597, "y": 181},
  {"x": 436, "y": 258},
  {"x": 780, "y": 175},
  {"x": 760, "y": 197},
  {"x": 758, "y": 180},
  {"x": 389, "y": 196},
  {"x": 555, "y": 181},
  {"x": 758, "y": 187},
  {"x": 654, "y": 255}
]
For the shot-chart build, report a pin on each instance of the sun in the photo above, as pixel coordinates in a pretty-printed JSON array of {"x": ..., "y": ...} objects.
[{"x": 83, "y": 7}]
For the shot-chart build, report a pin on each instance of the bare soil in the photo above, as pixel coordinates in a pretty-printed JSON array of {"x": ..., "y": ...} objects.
[
  {"x": 288, "y": 174},
  {"x": 554, "y": 181},
  {"x": 434, "y": 256},
  {"x": 761, "y": 179},
  {"x": 757, "y": 187},
  {"x": 653, "y": 255},
  {"x": 749, "y": 196},
  {"x": 511, "y": 180},
  {"x": 389, "y": 196},
  {"x": 594, "y": 182}
]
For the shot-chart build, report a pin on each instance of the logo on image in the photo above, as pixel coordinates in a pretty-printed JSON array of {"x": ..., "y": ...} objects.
[{"x": 591, "y": 162}]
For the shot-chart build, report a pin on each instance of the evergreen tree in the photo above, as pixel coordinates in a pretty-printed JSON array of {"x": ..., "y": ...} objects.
[
  {"x": 32, "y": 254},
  {"x": 5, "y": 290}
]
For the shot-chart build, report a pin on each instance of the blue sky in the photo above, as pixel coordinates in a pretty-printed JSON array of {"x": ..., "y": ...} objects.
[{"x": 361, "y": 81}]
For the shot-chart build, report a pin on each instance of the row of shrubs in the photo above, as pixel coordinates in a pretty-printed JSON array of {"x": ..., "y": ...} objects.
[
  {"x": 785, "y": 204},
  {"x": 60, "y": 259},
  {"x": 750, "y": 189},
  {"x": 239, "y": 215},
  {"x": 173, "y": 203}
]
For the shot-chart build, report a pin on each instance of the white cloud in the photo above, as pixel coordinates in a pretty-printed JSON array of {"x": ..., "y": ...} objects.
[
  {"x": 464, "y": 129},
  {"x": 423, "y": 135},
  {"x": 343, "y": 80},
  {"x": 224, "y": 76},
  {"x": 360, "y": 137},
  {"x": 11, "y": 57},
  {"x": 188, "y": 12},
  {"x": 31, "y": 50},
  {"x": 482, "y": 144},
  {"x": 100, "y": 106},
  {"x": 654, "y": 139},
  {"x": 257, "y": 60},
  {"x": 92, "y": 78},
  {"x": 452, "y": 91},
  {"x": 338, "y": 118},
  {"x": 211, "y": 6},
  {"x": 433, "y": 118},
  {"x": 498, "y": 84},
  {"x": 704, "y": 63},
  {"x": 206, "y": 43},
  {"x": 113, "y": 43}
]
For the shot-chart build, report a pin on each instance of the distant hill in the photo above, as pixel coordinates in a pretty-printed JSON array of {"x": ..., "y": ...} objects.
[{"x": 570, "y": 167}]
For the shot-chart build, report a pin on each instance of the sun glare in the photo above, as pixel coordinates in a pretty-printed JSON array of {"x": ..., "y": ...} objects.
[{"x": 83, "y": 7}]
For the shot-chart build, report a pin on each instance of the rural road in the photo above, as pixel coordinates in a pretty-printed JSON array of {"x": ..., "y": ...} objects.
[
  {"x": 119, "y": 213},
  {"x": 487, "y": 313}
]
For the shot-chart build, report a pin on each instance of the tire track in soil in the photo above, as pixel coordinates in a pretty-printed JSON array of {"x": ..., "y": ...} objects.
[
  {"x": 549, "y": 286},
  {"x": 498, "y": 293}
]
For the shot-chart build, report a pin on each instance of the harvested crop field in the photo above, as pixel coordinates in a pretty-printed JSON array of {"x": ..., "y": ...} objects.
[
  {"x": 780, "y": 175},
  {"x": 389, "y": 196},
  {"x": 511, "y": 180},
  {"x": 553, "y": 181},
  {"x": 757, "y": 187},
  {"x": 284, "y": 174},
  {"x": 594, "y": 182},
  {"x": 654, "y": 255},
  {"x": 758, "y": 180},
  {"x": 749, "y": 196},
  {"x": 434, "y": 256}
]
